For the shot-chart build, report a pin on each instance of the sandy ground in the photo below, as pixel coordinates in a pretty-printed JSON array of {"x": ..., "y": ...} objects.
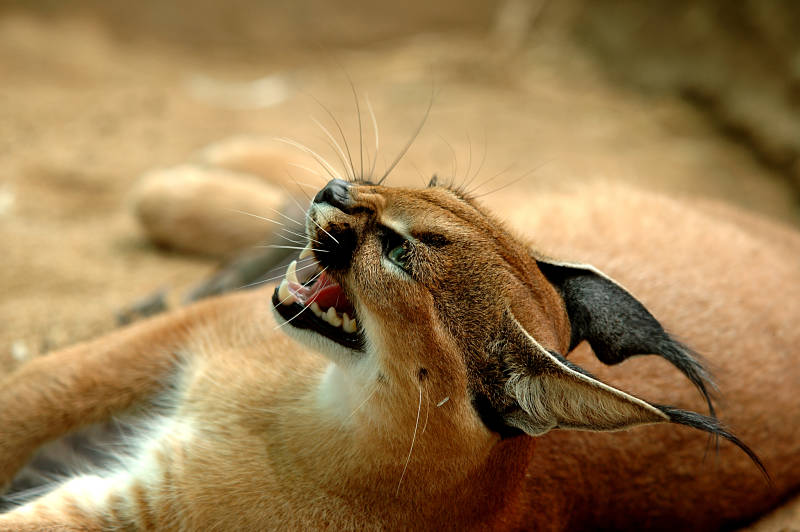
[{"x": 84, "y": 113}]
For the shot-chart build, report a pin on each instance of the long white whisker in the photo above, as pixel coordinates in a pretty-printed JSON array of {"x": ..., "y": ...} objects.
[
  {"x": 309, "y": 185},
  {"x": 410, "y": 142},
  {"x": 341, "y": 133},
  {"x": 292, "y": 240},
  {"x": 307, "y": 169},
  {"x": 427, "y": 411},
  {"x": 489, "y": 180},
  {"x": 279, "y": 213},
  {"x": 480, "y": 166},
  {"x": 377, "y": 140},
  {"x": 360, "y": 130},
  {"x": 413, "y": 440},
  {"x": 336, "y": 146},
  {"x": 262, "y": 281},
  {"x": 319, "y": 158},
  {"x": 301, "y": 235},
  {"x": 257, "y": 216},
  {"x": 271, "y": 246},
  {"x": 469, "y": 160}
]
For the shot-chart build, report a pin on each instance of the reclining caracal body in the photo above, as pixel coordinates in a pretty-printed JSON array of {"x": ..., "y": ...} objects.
[{"x": 452, "y": 348}]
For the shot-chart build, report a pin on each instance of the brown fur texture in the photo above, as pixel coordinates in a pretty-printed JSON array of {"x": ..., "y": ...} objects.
[{"x": 262, "y": 432}]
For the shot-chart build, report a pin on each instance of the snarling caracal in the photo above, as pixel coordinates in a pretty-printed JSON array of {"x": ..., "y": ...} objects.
[{"x": 415, "y": 378}]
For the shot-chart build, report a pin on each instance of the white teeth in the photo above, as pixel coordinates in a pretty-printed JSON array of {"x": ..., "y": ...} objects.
[
  {"x": 316, "y": 310},
  {"x": 332, "y": 317},
  {"x": 348, "y": 325},
  {"x": 306, "y": 252},
  {"x": 291, "y": 272},
  {"x": 286, "y": 297}
]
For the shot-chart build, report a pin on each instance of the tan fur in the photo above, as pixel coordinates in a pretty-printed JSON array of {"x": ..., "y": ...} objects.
[{"x": 266, "y": 433}]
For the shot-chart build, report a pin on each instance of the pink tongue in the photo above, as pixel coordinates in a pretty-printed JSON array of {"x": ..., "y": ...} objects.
[
  {"x": 330, "y": 296},
  {"x": 325, "y": 293}
]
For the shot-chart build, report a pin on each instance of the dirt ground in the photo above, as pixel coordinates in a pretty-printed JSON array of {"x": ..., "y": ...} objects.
[{"x": 88, "y": 104}]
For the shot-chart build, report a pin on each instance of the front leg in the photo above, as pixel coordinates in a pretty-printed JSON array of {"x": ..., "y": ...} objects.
[{"x": 63, "y": 391}]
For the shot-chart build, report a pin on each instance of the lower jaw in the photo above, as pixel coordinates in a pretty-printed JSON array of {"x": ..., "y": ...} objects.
[{"x": 303, "y": 318}]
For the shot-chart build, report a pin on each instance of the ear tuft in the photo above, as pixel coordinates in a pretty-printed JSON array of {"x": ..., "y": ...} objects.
[
  {"x": 712, "y": 426},
  {"x": 615, "y": 324}
]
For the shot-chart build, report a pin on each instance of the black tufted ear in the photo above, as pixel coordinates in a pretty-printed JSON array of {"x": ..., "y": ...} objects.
[{"x": 615, "y": 324}]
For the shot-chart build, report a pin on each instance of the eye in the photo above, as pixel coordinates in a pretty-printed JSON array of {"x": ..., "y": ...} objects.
[
  {"x": 396, "y": 249},
  {"x": 399, "y": 254}
]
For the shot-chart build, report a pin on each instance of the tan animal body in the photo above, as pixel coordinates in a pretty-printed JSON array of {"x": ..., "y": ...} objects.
[{"x": 417, "y": 379}]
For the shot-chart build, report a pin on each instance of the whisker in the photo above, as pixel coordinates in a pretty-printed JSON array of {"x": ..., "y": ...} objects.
[
  {"x": 360, "y": 134},
  {"x": 489, "y": 180},
  {"x": 307, "y": 169},
  {"x": 526, "y": 174},
  {"x": 279, "y": 213},
  {"x": 302, "y": 235},
  {"x": 299, "y": 187},
  {"x": 256, "y": 216},
  {"x": 377, "y": 138},
  {"x": 307, "y": 185},
  {"x": 455, "y": 161},
  {"x": 273, "y": 246},
  {"x": 421, "y": 175},
  {"x": 469, "y": 158},
  {"x": 292, "y": 240},
  {"x": 309, "y": 217},
  {"x": 498, "y": 189},
  {"x": 410, "y": 142},
  {"x": 262, "y": 281},
  {"x": 480, "y": 166},
  {"x": 427, "y": 411},
  {"x": 339, "y": 127},
  {"x": 413, "y": 440},
  {"x": 319, "y": 158},
  {"x": 335, "y": 146}
]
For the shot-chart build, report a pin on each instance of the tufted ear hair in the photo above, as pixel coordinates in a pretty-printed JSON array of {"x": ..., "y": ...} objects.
[
  {"x": 550, "y": 392},
  {"x": 615, "y": 324}
]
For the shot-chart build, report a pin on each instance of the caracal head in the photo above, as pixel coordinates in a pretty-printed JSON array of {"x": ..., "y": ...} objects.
[{"x": 424, "y": 285}]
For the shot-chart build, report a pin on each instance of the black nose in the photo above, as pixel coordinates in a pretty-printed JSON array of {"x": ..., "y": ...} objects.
[{"x": 335, "y": 193}]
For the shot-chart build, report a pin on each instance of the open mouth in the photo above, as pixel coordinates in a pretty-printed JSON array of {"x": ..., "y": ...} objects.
[{"x": 317, "y": 303}]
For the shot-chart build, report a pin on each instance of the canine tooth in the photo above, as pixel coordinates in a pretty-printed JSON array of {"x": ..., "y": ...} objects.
[
  {"x": 286, "y": 297},
  {"x": 291, "y": 272},
  {"x": 316, "y": 310},
  {"x": 332, "y": 317},
  {"x": 349, "y": 324},
  {"x": 306, "y": 252}
]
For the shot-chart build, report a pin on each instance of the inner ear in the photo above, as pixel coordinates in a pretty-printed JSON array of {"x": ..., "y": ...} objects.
[
  {"x": 615, "y": 323},
  {"x": 554, "y": 393}
]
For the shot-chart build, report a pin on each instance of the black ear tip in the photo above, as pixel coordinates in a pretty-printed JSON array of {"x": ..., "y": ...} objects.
[
  {"x": 714, "y": 427},
  {"x": 692, "y": 365}
]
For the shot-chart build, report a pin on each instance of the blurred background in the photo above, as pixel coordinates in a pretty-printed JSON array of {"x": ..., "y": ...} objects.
[
  {"x": 693, "y": 99},
  {"x": 696, "y": 99}
]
